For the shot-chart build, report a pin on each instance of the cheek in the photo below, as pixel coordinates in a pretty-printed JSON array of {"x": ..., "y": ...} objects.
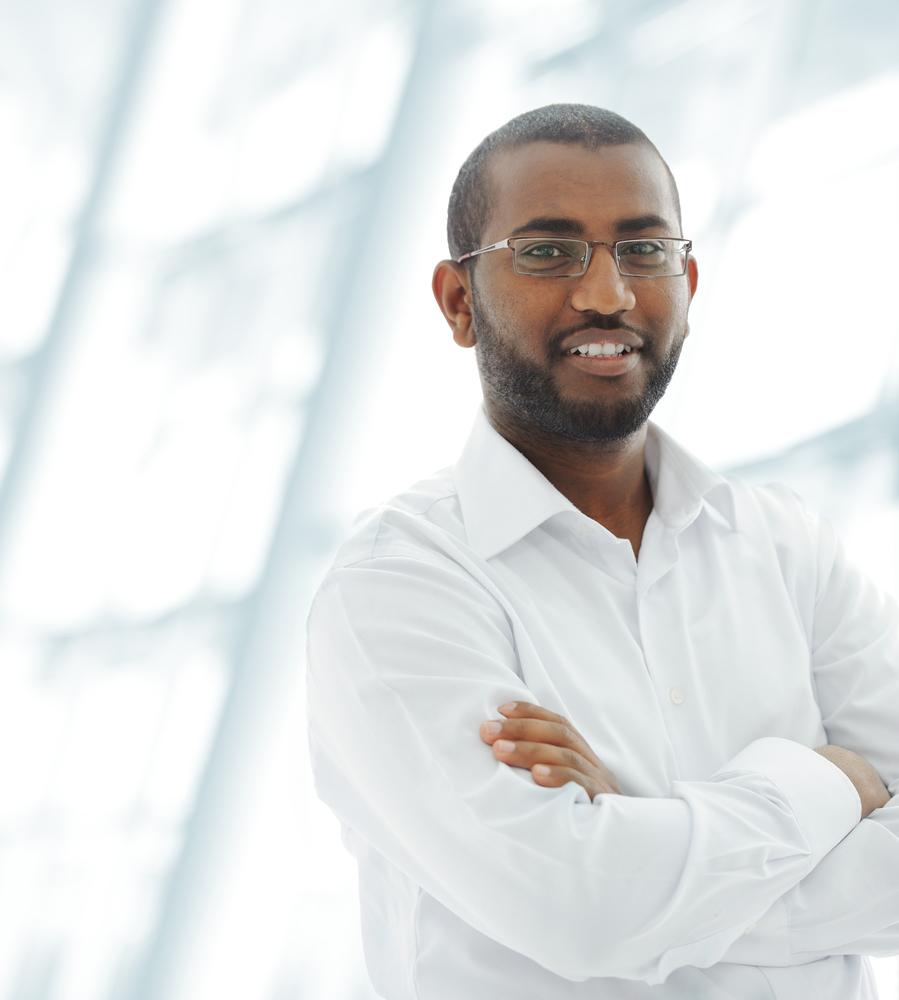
[
  {"x": 521, "y": 313},
  {"x": 666, "y": 304},
  {"x": 528, "y": 296}
]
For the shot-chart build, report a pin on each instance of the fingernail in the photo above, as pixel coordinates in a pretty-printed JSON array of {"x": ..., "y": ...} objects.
[
  {"x": 504, "y": 746},
  {"x": 509, "y": 706},
  {"x": 493, "y": 727},
  {"x": 541, "y": 769}
]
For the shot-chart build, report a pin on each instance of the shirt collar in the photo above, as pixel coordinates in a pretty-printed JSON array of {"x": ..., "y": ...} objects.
[
  {"x": 682, "y": 485},
  {"x": 503, "y": 497}
]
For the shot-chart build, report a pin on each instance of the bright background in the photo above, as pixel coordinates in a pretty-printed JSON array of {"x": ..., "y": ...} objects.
[{"x": 218, "y": 220}]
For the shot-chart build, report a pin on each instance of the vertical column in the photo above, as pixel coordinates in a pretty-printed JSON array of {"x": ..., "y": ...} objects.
[{"x": 268, "y": 651}]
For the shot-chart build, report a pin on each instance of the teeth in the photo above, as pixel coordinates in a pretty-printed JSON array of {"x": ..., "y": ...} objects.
[{"x": 603, "y": 350}]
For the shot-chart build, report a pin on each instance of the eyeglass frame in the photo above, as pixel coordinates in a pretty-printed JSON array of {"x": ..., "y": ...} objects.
[{"x": 506, "y": 244}]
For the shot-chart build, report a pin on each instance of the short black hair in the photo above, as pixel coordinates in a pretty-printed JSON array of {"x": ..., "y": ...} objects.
[{"x": 566, "y": 124}]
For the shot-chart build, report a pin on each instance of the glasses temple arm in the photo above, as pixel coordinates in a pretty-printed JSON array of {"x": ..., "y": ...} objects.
[{"x": 473, "y": 253}]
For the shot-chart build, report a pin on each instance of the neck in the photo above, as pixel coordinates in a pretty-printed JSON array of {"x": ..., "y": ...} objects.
[{"x": 606, "y": 480}]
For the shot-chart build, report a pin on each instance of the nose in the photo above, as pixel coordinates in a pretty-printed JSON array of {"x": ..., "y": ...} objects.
[{"x": 601, "y": 288}]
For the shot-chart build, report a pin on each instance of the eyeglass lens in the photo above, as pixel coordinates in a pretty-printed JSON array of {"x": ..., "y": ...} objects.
[{"x": 561, "y": 257}]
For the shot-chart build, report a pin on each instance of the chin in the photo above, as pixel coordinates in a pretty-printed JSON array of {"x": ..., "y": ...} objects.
[{"x": 594, "y": 425}]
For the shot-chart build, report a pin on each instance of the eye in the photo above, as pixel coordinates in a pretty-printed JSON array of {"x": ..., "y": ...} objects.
[
  {"x": 545, "y": 251},
  {"x": 643, "y": 248},
  {"x": 542, "y": 256}
]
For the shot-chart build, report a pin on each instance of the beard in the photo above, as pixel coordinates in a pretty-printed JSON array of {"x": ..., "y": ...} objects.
[{"x": 531, "y": 396}]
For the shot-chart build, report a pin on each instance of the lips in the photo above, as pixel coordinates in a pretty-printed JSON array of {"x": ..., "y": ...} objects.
[
  {"x": 601, "y": 353},
  {"x": 601, "y": 350},
  {"x": 619, "y": 342},
  {"x": 603, "y": 365}
]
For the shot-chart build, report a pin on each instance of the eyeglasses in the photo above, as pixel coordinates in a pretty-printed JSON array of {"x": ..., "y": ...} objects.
[{"x": 563, "y": 258}]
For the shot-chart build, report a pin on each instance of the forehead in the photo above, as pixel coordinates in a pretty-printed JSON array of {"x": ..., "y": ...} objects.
[{"x": 595, "y": 188}]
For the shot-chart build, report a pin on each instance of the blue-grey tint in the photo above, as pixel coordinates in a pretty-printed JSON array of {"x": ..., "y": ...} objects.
[{"x": 217, "y": 227}]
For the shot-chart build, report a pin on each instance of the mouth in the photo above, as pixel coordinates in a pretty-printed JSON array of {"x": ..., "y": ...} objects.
[
  {"x": 604, "y": 358},
  {"x": 601, "y": 349}
]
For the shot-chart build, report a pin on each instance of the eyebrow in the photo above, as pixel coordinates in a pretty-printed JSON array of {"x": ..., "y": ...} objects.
[
  {"x": 564, "y": 226},
  {"x": 548, "y": 224},
  {"x": 643, "y": 222}
]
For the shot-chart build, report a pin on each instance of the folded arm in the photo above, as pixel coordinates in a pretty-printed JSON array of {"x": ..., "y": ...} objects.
[
  {"x": 849, "y": 904},
  {"x": 406, "y": 659},
  {"x": 555, "y": 753}
]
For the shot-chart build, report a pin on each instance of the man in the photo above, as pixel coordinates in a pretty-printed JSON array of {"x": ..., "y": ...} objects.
[{"x": 565, "y": 697}]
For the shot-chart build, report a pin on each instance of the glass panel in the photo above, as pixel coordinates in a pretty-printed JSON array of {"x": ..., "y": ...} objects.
[{"x": 190, "y": 377}]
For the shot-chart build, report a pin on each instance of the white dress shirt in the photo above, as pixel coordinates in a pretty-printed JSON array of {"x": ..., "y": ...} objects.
[{"x": 734, "y": 864}]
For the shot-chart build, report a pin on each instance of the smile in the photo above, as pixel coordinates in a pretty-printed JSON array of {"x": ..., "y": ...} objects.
[{"x": 604, "y": 350}]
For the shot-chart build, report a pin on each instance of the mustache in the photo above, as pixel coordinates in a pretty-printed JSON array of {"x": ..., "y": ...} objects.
[{"x": 599, "y": 321}]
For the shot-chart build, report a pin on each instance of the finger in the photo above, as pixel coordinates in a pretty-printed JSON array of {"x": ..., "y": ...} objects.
[
  {"x": 559, "y": 734},
  {"x": 538, "y": 731},
  {"x": 524, "y": 709},
  {"x": 550, "y": 776},
  {"x": 526, "y": 755},
  {"x": 491, "y": 730},
  {"x": 516, "y": 730},
  {"x": 528, "y": 729}
]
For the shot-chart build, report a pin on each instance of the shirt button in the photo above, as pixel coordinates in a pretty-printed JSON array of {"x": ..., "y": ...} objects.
[
  {"x": 585, "y": 527},
  {"x": 676, "y": 696},
  {"x": 749, "y": 929}
]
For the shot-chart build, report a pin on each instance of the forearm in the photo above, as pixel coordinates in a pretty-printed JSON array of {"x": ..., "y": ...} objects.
[
  {"x": 529, "y": 733},
  {"x": 849, "y": 904},
  {"x": 629, "y": 887}
]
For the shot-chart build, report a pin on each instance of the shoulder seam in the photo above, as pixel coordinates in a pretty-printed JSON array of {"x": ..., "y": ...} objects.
[
  {"x": 419, "y": 513},
  {"x": 415, "y": 554}
]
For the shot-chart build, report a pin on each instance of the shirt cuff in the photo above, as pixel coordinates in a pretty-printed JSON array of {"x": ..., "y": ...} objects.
[{"x": 823, "y": 799}]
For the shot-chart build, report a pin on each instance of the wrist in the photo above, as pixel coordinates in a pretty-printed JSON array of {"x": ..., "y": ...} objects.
[{"x": 867, "y": 783}]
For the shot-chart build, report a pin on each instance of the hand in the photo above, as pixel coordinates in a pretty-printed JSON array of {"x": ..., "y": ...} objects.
[
  {"x": 549, "y": 747},
  {"x": 871, "y": 790}
]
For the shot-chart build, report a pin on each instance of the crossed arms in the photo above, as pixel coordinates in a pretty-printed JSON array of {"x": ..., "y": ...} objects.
[
  {"x": 555, "y": 753},
  {"x": 408, "y": 656}
]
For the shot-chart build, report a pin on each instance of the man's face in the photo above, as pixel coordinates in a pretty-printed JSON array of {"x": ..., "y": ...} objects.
[{"x": 525, "y": 327}]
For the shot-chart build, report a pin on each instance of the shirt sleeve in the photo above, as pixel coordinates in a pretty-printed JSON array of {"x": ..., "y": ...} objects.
[
  {"x": 406, "y": 657},
  {"x": 849, "y": 904}
]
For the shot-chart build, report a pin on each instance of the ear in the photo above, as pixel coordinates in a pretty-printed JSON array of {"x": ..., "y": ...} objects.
[
  {"x": 452, "y": 289},
  {"x": 693, "y": 279}
]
